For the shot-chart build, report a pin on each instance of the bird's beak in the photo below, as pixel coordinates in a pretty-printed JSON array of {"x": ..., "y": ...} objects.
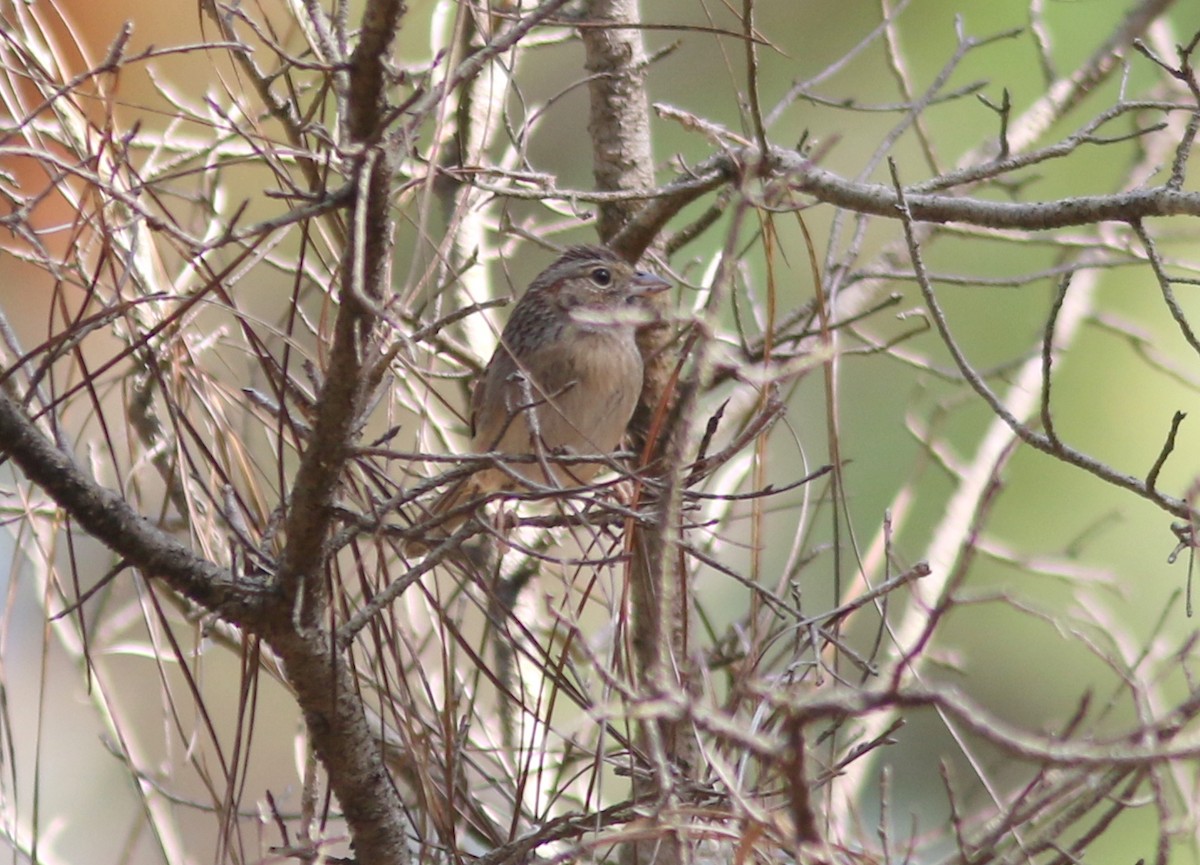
[{"x": 648, "y": 284}]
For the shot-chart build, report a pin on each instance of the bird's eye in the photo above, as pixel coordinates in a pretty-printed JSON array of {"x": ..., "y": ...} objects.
[{"x": 602, "y": 276}]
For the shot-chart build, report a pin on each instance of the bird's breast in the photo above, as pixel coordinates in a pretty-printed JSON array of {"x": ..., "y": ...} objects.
[
  {"x": 598, "y": 358},
  {"x": 603, "y": 379}
]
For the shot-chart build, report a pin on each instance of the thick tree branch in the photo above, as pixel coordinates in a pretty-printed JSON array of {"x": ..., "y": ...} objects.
[
  {"x": 368, "y": 67},
  {"x": 1032, "y": 216},
  {"x": 316, "y": 667},
  {"x": 106, "y": 516},
  {"x": 803, "y": 176},
  {"x": 327, "y": 692},
  {"x": 619, "y": 121},
  {"x": 364, "y": 276},
  {"x": 622, "y": 159}
]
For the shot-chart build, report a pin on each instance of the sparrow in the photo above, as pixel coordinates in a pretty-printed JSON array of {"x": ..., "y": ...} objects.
[{"x": 564, "y": 380}]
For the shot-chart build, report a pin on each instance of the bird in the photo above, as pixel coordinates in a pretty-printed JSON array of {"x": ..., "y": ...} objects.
[{"x": 564, "y": 379}]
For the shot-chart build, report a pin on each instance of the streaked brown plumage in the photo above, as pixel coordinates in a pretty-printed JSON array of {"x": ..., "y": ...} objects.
[{"x": 567, "y": 367}]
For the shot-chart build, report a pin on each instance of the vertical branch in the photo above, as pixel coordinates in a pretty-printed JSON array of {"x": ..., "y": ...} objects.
[
  {"x": 622, "y": 159},
  {"x": 320, "y": 675},
  {"x": 619, "y": 119},
  {"x": 619, "y": 125},
  {"x": 364, "y": 274}
]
